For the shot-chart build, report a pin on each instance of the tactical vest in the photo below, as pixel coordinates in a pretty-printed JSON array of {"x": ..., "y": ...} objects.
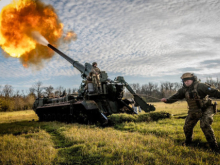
[{"x": 195, "y": 103}]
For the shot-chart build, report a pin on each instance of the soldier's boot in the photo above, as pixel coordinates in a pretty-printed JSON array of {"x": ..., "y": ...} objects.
[
  {"x": 214, "y": 147},
  {"x": 189, "y": 136},
  {"x": 186, "y": 143},
  {"x": 190, "y": 123}
]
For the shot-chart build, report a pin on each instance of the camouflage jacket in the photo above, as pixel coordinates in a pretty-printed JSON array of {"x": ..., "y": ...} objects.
[
  {"x": 202, "y": 89},
  {"x": 95, "y": 70}
]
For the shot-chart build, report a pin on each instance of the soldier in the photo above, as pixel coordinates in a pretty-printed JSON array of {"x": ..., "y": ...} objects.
[
  {"x": 200, "y": 108},
  {"x": 96, "y": 72},
  {"x": 95, "y": 69}
]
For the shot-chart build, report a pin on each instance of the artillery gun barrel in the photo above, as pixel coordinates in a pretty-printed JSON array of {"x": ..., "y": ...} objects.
[{"x": 75, "y": 64}]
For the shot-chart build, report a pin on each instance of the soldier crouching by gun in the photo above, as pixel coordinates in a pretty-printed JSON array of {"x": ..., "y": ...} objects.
[{"x": 200, "y": 108}]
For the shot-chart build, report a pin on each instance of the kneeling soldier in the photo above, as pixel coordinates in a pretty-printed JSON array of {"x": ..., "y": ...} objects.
[{"x": 200, "y": 108}]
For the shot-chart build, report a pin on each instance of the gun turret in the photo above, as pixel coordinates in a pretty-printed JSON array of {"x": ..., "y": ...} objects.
[{"x": 84, "y": 70}]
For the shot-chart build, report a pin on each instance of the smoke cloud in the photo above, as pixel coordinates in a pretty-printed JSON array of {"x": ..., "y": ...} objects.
[{"x": 39, "y": 38}]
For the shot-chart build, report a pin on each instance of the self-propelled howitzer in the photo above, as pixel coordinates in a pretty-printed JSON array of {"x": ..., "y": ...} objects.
[{"x": 97, "y": 97}]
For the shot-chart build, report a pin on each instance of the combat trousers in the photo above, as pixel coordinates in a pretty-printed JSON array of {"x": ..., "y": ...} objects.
[{"x": 206, "y": 119}]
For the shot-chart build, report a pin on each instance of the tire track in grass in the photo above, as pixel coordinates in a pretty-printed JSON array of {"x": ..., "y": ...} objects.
[{"x": 58, "y": 139}]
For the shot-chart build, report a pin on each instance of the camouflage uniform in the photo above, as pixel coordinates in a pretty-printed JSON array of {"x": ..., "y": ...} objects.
[
  {"x": 96, "y": 72},
  {"x": 200, "y": 108}
]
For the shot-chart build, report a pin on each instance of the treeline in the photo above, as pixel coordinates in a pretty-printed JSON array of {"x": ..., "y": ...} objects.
[
  {"x": 15, "y": 100},
  {"x": 11, "y": 100},
  {"x": 153, "y": 92}
]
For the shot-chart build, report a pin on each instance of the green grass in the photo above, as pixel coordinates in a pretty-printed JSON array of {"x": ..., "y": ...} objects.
[
  {"x": 131, "y": 140},
  {"x": 8, "y": 117}
]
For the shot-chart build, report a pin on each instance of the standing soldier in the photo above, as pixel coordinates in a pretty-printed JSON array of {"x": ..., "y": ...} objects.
[
  {"x": 95, "y": 69},
  {"x": 96, "y": 72},
  {"x": 200, "y": 108}
]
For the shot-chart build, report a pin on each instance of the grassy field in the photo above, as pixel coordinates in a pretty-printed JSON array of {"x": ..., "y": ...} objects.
[{"x": 27, "y": 141}]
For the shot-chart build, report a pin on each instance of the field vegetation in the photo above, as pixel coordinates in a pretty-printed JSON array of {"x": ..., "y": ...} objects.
[{"x": 130, "y": 140}]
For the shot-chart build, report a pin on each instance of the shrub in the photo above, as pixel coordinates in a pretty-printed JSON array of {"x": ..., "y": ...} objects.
[
  {"x": 123, "y": 117},
  {"x": 7, "y": 105},
  {"x": 147, "y": 117}
]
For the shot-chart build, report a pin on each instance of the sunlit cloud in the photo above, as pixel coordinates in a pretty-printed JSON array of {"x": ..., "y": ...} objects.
[{"x": 149, "y": 39}]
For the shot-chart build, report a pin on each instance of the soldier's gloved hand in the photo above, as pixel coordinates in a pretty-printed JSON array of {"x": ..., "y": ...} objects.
[{"x": 163, "y": 100}]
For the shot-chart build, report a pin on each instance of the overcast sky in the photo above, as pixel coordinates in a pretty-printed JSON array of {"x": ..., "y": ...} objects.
[{"x": 142, "y": 40}]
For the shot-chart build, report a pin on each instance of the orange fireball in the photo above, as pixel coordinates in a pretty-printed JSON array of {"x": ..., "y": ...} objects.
[
  {"x": 17, "y": 22},
  {"x": 70, "y": 36}
]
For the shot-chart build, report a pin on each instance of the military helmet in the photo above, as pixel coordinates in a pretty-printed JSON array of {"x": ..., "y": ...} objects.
[
  {"x": 188, "y": 76},
  {"x": 94, "y": 63}
]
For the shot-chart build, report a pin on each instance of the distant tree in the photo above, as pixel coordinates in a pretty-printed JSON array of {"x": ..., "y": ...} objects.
[
  {"x": 170, "y": 85},
  {"x": 0, "y": 104},
  {"x": 136, "y": 87},
  {"x": 74, "y": 90},
  {"x": 59, "y": 90},
  {"x": 32, "y": 91},
  {"x": 48, "y": 91},
  {"x": 7, "y": 91},
  {"x": 213, "y": 83},
  {"x": 19, "y": 103},
  {"x": 0, "y": 90},
  {"x": 177, "y": 86},
  {"x": 37, "y": 88},
  {"x": 69, "y": 91},
  {"x": 29, "y": 100},
  {"x": 22, "y": 93},
  {"x": 150, "y": 86},
  {"x": 155, "y": 87},
  {"x": 17, "y": 93},
  {"x": 162, "y": 90}
]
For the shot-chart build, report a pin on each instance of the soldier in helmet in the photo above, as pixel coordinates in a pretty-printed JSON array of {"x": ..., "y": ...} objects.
[
  {"x": 95, "y": 69},
  {"x": 200, "y": 108},
  {"x": 96, "y": 72}
]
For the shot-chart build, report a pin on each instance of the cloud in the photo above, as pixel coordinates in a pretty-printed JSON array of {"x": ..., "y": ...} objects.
[{"x": 134, "y": 38}]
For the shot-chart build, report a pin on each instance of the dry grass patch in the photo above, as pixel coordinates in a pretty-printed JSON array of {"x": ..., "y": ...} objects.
[
  {"x": 8, "y": 117},
  {"x": 33, "y": 148}
]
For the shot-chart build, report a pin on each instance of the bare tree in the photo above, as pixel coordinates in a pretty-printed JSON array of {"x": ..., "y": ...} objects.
[
  {"x": 150, "y": 85},
  {"x": 22, "y": 93},
  {"x": 136, "y": 87},
  {"x": 7, "y": 91},
  {"x": 37, "y": 88},
  {"x": 213, "y": 83},
  {"x": 69, "y": 90},
  {"x": 48, "y": 91},
  {"x": 17, "y": 93},
  {"x": 31, "y": 91},
  {"x": 170, "y": 85},
  {"x": 144, "y": 89},
  {"x": 177, "y": 86},
  {"x": 59, "y": 91},
  {"x": 155, "y": 87},
  {"x": 162, "y": 89}
]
